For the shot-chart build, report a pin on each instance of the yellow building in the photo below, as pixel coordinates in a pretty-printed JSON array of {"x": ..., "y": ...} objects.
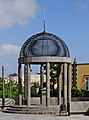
[{"x": 80, "y": 75}]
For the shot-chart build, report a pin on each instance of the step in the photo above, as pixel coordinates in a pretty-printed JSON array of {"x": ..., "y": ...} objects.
[
  {"x": 52, "y": 108},
  {"x": 32, "y": 110}
]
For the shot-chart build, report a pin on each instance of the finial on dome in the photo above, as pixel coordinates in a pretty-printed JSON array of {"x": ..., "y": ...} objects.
[
  {"x": 44, "y": 18},
  {"x": 75, "y": 61}
]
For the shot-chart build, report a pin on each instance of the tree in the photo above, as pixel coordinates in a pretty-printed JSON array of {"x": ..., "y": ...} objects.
[
  {"x": 34, "y": 89},
  {"x": 14, "y": 89},
  {"x": 53, "y": 80},
  {"x": 0, "y": 87}
]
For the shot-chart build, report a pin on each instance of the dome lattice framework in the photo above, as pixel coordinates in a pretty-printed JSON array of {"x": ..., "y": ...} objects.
[{"x": 44, "y": 44}]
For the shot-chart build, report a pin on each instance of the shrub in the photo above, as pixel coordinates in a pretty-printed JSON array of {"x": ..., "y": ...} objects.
[
  {"x": 77, "y": 92},
  {"x": 34, "y": 89}
]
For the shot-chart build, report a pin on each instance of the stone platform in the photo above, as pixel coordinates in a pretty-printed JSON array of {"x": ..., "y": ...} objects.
[{"x": 54, "y": 110}]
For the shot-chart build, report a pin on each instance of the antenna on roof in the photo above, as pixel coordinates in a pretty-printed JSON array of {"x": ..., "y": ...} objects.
[{"x": 44, "y": 18}]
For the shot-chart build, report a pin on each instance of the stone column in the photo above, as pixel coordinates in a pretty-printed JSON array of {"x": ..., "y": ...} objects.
[
  {"x": 59, "y": 89},
  {"x": 41, "y": 81},
  {"x": 20, "y": 84},
  {"x": 65, "y": 85},
  {"x": 28, "y": 86},
  {"x": 47, "y": 84},
  {"x": 69, "y": 89},
  {"x": 25, "y": 83}
]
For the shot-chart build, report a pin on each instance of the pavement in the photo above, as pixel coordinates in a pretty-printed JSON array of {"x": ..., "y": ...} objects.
[{"x": 9, "y": 116}]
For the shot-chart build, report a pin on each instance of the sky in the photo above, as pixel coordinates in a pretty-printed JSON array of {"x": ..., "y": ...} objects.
[{"x": 20, "y": 19}]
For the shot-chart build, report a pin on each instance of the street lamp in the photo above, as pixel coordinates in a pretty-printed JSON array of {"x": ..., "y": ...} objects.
[
  {"x": 10, "y": 85},
  {"x": 3, "y": 87}
]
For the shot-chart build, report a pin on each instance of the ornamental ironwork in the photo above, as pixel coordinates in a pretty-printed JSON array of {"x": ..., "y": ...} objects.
[{"x": 44, "y": 44}]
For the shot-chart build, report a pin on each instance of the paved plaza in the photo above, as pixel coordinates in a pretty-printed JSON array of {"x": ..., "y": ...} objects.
[{"x": 7, "y": 116}]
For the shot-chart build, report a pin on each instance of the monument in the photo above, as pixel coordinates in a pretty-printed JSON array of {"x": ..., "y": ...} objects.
[{"x": 46, "y": 48}]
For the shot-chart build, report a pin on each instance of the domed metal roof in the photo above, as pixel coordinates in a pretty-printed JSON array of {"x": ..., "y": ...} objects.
[{"x": 44, "y": 44}]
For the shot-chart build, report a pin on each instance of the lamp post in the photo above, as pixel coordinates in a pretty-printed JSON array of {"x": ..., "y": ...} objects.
[
  {"x": 10, "y": 86},
  {"x": 3, "y": 87}
]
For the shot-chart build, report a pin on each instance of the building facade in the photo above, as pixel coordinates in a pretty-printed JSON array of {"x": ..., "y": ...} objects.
[{"x": 80, "y": 75}]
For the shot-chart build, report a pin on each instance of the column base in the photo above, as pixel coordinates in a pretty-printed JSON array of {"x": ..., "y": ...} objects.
[
  {"x": 25, "y": 102},
  {"x": 28, "y": 101},
  {"x": 20, "y": 99},
  {"x": 63, "y": 110},
  {"x": 3, "y": 102},
  {"x": 68, "y": 108},
  {"x": 44, "y": 96},
  {"x": 47, "y": 101}
]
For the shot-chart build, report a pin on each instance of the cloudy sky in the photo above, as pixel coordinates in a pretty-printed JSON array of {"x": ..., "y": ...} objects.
[{"x": 20, "y": 19}]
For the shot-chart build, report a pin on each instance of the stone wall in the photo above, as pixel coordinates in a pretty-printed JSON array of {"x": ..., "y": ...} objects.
[
  {"x": 53, "y": 100},
  {"x": 76, "y": 106},
  {"x": 79, "y": 106}
]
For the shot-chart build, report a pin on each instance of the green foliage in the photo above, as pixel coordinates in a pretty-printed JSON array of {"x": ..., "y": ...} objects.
[
  {"x": 53, "y": 71},
  {"x": 34, "y": 89},
  {"x": 14, "y": 89},
  {"x": 53, "y": 80},
  {"x": 14, "y": 92},
  {"x": 76, "y": 92},
  {"x": 0, "y": 87}
]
